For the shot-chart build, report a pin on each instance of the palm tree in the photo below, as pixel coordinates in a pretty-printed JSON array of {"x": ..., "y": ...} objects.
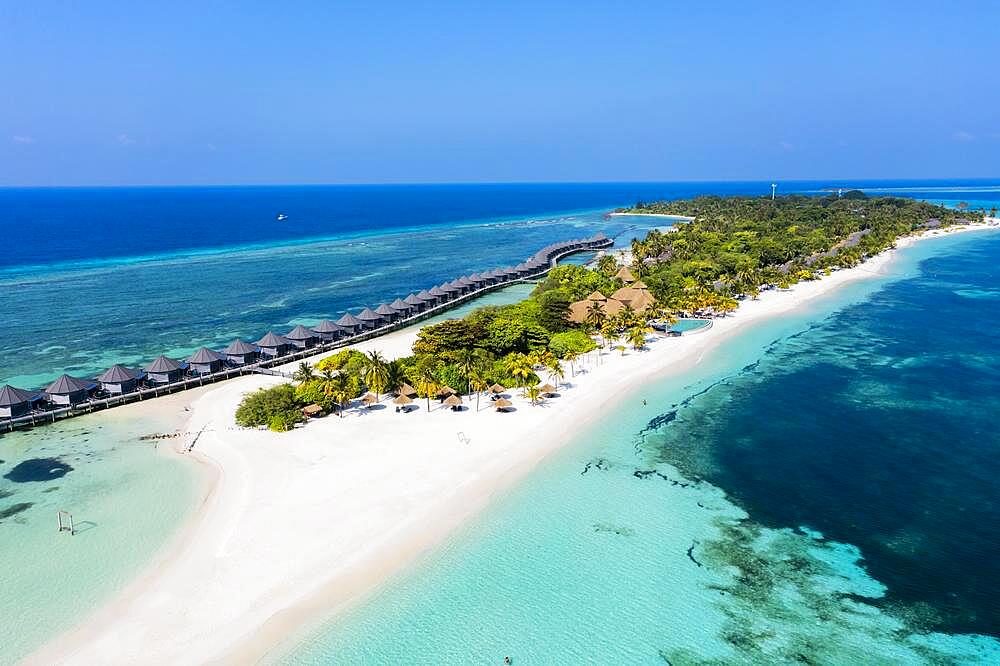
[
  {"x": 532, "y": 393},
  {"x": 375, "y": 372},
  {"x": 427, "y": 384},
  {"x": 304, "y": 373},
  {"x": 596, "y": 316},
  {"x": 637, "y": 337},
  {"x": 477, "y": 382},
  {"x": 395, "y": 375},
  {"x": 467, "y": 362},
  {"x": 570, "y": 357},
  {"x": 556, "y": 372},
  {"x": 519, "y": 367},
  {"x": 339, "y": 388}
]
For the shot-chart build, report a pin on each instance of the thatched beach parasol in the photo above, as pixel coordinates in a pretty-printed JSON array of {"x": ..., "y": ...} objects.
[
  {"x": 446, "y": 391},
  {"x": 502, "y": 404},
  {"x": 312, "y": 411},
  {"x": 496, "y": 389},
  {"x": 369, "y": 399},
  {"x": 547, "y": 389},
  {"x": 406, "y": 389},
  {"x": 403, "y": 399},
  {"x": 453, "y": 401}
]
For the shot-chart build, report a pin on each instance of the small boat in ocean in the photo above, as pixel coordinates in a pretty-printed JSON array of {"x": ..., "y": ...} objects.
[{"x": 282, "y": 216}]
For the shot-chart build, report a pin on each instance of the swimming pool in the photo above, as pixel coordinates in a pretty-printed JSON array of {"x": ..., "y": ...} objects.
[{"x": 683, "y": 326}]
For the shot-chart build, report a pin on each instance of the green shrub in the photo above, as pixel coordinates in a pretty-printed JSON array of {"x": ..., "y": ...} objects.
[
  {"x": 275, "y": 407},
  {"x": 570, "y": 341}
]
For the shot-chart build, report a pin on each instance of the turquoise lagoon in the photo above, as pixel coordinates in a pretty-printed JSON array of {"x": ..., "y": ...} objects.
[{"x": 638, "y": 544}]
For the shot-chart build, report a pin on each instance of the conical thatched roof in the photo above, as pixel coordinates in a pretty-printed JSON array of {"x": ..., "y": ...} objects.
[
  {"x": 205, "y": 355},
  {"x": 625, "y": 275},
  {"x": 446, "y": 390},
  {"x": 406, "y": 389},
  {"x": 385, "y": 310},
  {"x": 453, "y": 401},
  {"x": 639, "y": 284},
  {"x": 596, "y": 296},
  {"x": 272, "y": 339},
  {"x": 451, "y": 287},
  {"x": 10, "y": 396},
  {"x": 578, "y": 311},
  {"x": 643, "y": 301},
  {"x": 399, "y": 305},
  {"x": 66, "y": 385},
  {"x": 437, "y": 292},
  {"x": 613, "y": 306},
  {"x": 502, "y": 403},
  {"x": 163, "y": 364},
  {"x": 625, "y": 294},
  {"x": 300, "y": 332},
  {"x": 369, "y": 399},
  {"x": 413, "y": 299},
  {"x": 425, "y": 295},
  {"x": 403, "y": 399},
  {"x": 547, "y": 388},
  {"x": 348, "y": 321},
  {"x": 368, "y": 315},
  {"x": 496, "y": 388},
  {"x": 117, "y": 374},
  {"x": 237, "y": 347},
  {"x": 326, "y": 326}
]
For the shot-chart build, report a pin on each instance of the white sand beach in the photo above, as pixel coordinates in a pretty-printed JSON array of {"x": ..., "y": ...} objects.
[{"x": 299, "y": 524}]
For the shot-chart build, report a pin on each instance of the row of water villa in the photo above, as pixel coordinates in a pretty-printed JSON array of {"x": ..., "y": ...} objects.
[{"x": 69, "y": 396}]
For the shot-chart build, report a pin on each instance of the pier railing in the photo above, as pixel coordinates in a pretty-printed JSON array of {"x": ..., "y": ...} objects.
[{"x": 544, "y": 261}]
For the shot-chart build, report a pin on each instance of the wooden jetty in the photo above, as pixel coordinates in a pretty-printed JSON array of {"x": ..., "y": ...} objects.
[{"x": 120, "y": 386}]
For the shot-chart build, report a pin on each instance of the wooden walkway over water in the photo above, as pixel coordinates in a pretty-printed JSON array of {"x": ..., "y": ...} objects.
[{"x": 538, "y": 265}]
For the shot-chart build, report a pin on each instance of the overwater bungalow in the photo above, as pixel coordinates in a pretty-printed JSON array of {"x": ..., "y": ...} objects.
[
  {"x": 415, "y": 303},
  {"x": 401, "y": 307},
  {"x": 240, "y": 352},
  {"x": 369, "y": 319},
  {"x": 15, "y": 402},
  {"x": 452, "y": 289},
  {"x": 118, "y": 379},
  {"x": 349, "y": 323},
  {"x": 302, "y": 337},
  {"x": 69, "y": 390},
  {"x": 440, "y": 294},
  {"x": 327, "y": 331},
  {"x": 428, "y": 299},
  {"x": 164, "y": 370},
  {"x": 387, "y": 312},
  {"x": 273, "y": 345},
  {"x": 206, "y": 361},
  {"x": 466, "y": 284}
]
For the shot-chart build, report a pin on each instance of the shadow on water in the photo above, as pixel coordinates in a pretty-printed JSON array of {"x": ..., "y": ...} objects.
[{"x": 38, "y": 470}]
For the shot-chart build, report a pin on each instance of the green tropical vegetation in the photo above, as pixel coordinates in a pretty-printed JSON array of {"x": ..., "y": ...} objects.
[{"x": 735, "y": 246}]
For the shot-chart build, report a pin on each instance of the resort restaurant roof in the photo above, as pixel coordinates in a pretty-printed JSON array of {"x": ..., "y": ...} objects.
[
  {"x": 326, "y": 326},
  {"x": 66, "y": 385},
  {"x": 237, "y": 347},
  {"x": 625, "y": 275},
  {"x": 596, "y": 296},
  {"x": 385, "y": 310},
  {"x": 399, "y": 305},
  {"x": 10, "y": 396},
  {"x": 205, "y": 355},
  {"x": 272, "y": 339},
  {"x": 348, "y": 320},
  {"x": 639, "y": 284},
  {"x": 625, "y": 294},
  {"x": 368, "y": 315},
  {"x": 300, "y": 332},
  {"x": 164, "y": 364},
  {"x": 413, "y": 299}
]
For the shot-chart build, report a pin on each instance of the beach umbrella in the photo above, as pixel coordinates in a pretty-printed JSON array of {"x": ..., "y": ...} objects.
[
  {"x": 445, "y": 391},
  {"x": 453, "y": 401},
  {"x": 546, "y": 388},
  {"x": 312, "y": 411},
  {"x": 497, "y": 389},
  {"x": 369, "y": 399},
  {"x": 406, "y": 389},
  {"x": 403, "y": 399},
  {"x": 502, "y": 404}
]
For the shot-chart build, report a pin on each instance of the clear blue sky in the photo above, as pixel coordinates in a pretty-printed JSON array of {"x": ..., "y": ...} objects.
[{"x": 327, "y": 92}]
